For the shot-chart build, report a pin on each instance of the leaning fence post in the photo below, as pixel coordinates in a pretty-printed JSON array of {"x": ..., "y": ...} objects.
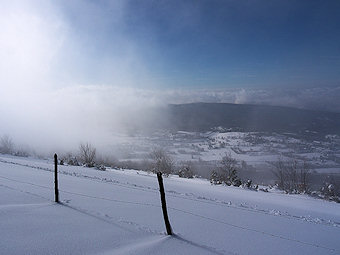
[
  {"x": 165, "y": 213},
  {"x": 56, "y": 192}
]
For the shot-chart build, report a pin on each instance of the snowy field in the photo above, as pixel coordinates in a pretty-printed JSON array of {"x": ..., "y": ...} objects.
[
  {"x": 254, "y": 148},
  {"x": 119, "y": 212}
]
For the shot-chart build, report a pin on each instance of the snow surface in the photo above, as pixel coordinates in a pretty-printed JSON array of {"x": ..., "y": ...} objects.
[{"x": 119, "y": 212}]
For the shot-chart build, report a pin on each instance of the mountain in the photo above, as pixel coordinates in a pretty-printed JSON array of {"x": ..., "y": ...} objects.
[{"x": 247, "y": 118}]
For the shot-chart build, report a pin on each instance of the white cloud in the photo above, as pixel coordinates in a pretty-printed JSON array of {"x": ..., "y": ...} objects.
[{"x": 241, "y": 97}]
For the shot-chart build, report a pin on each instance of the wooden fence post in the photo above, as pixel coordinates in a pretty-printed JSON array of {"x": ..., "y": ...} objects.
[
  {"x": 165, "y": 213},
  {"x": 56, "y": 192}
]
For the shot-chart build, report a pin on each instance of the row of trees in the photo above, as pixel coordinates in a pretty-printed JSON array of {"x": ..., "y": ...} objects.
[
  {"x": 7, "y": 146},
  {"x": 86, "y": 156},
  {"x": 292, "y": 176}
]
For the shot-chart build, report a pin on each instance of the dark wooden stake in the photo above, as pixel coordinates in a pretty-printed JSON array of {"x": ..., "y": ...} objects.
[
  {"x": 56, "y": 192},
  {"x": 165, "y": 212}
]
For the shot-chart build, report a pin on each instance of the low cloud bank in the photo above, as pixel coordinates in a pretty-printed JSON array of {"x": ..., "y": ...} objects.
[
  {"x": 64, "y": 117},
  {"x": 324, "y": 99}
]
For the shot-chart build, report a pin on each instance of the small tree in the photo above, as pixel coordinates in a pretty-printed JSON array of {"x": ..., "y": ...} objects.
[
  {"x": 216, "y": 177},
  {"x": 6, "y": 145},
  {"x": 229, "y": 169},
  {"x": 292, "y": 176},
  {"x": 280, "y": 173},
  {"x": 162, "y": 162},
  {"x": 186, "y": 171},
  {"x": 69, "y": 159},
  {"x": 304, "y": 177},
  {"x": 87, "y": 154},
  {"x": 226, "y": 172}
]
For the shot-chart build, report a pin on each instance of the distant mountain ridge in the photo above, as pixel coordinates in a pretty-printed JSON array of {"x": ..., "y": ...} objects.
[{"x": 248, "y": 118}]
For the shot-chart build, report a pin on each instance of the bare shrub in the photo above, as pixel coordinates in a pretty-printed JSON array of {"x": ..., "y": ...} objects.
[
  {"x": 217, "y": 177},
  {"x": 229, "y": 168},
  {"x": 161, "y": 162},
  {"x": 69, "y": 159},
  {"x": 6, "y": 145},
  {"x": 87, "y": 154},
  {"x": 21, "y": 153},
  {"x": 226, "y": 172},
  {"x": 186, "y": 171}
]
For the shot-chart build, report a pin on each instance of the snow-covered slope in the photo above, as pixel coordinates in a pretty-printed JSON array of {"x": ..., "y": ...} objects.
[{"x": 119, "y": 212}]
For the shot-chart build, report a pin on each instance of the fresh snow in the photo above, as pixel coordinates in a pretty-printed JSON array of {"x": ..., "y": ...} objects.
[{"x": 119, "y": 212}]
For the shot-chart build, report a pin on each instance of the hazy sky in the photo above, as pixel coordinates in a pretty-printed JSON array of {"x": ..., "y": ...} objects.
[{"x": 69, "y": 66}]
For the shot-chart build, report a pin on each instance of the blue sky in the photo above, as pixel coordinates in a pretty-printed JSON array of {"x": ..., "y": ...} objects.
[
  {"x": 203, "y": 44},
  {"x": 187, "y": 44}
]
